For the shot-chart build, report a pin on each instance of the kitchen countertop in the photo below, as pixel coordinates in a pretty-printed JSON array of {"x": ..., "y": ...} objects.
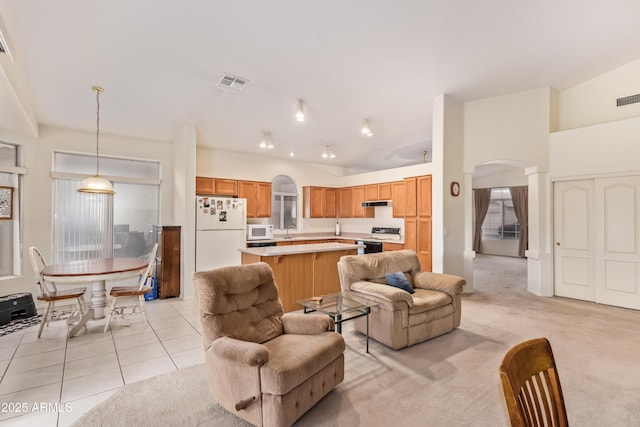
[
  {"x": 299, "y": 249},
  {"x": 329, "y": 236}
]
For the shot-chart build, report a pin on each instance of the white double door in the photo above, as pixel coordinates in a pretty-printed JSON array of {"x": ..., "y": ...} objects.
[{"x": 597, "y": 240}]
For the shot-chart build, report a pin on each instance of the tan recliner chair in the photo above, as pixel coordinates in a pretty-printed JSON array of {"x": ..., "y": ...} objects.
[
  {"x": 401, "y": 319},
  {"x": 264, "y": 366}
]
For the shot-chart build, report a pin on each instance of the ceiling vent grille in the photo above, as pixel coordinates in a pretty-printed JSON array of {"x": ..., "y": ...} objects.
[
  {"x": 232, "y": 83},
  {"x": 632, "y": 99}
]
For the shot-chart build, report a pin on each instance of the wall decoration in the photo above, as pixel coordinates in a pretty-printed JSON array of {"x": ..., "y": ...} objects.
[
  {"x": 455, "y": 189},
  {"x": 6, "y": 203}
]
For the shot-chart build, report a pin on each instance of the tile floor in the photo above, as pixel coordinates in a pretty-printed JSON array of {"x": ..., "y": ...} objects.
[{"x": 52, "y": 381}]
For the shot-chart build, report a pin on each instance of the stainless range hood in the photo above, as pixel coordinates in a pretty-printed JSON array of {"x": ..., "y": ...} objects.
[{"x": 376, "y": 203}]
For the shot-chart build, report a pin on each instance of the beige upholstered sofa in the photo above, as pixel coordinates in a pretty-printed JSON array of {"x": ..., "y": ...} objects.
[
  {"x": 264, "y": 366},
  {"x": 402, "y": 319}
]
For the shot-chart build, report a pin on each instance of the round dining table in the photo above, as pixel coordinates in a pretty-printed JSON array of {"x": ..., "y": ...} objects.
[{"x": 97, "y": 272}]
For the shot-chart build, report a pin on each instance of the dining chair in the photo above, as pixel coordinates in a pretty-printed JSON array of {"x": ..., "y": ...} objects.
[
  {"x": 58, "y": 301},
  {"x": 531, "y": 385},
  {"x": 124, "y": 298}
]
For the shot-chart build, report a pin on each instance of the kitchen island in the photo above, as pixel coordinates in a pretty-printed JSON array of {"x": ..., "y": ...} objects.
[{"x": 302, "y": 271}]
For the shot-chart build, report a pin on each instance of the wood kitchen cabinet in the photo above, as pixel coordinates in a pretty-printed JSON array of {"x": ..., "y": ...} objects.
[
  {"x": 423, "y": 243},
  {"x": 258, "y": 195},
  {"x": 398, "y": 198},
  {"x": 410, "y": 233},
  {"x": 344, "y": 204},
  {"x": 216, "y": 186},
  {"x": 168, "y": 269},
  {"x": 357, "y": 197},
  {"x": 371, "y": 192},
  {"x": 319, "y": 202},
  {"x": 423, "y": 196},
  {"x": 410, "y": 191},
  {"x": 392, "y": 246},
  {"x": 384, "y": 191},
  {"x": 417, "y": 220}
]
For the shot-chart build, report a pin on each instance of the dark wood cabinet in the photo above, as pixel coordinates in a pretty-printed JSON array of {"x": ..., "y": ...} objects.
[{"x": 168, "y": 267}]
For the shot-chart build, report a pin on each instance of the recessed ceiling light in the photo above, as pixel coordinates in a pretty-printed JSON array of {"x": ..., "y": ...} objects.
[{"x": 291, "y": 154}]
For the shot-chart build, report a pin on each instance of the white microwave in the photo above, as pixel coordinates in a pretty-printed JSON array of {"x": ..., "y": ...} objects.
[{"x": 259, "y": 232}]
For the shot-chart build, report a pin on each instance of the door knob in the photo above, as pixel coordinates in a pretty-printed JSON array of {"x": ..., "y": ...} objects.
[{"x": 557, "y": 243}]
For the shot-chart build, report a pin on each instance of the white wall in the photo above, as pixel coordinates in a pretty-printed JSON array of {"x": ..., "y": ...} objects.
[
  {"x": 514, "y": 129},
  {"x": 184, "y": 207},
  {"x": 608, "y": 148},
  {"x": 37, "y": 185},
  {"x": 594, "y": 101},
  {"x": 448, "y": 231}
]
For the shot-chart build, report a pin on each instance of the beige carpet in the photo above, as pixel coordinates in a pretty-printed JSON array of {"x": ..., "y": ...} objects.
[{"x": 448, "y": 381}]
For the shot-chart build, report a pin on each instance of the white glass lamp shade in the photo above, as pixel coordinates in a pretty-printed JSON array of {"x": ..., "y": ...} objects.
[{"x": 96, "y": 184}]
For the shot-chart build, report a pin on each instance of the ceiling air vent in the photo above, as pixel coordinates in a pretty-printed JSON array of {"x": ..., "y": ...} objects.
[
  {"x": 632, "y": 99},
  {"x": 232, "y": 83},
  {"x": 2, "y": 49}
]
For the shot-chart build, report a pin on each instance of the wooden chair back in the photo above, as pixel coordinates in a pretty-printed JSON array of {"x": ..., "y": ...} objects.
[
  {"x": 146, "y": 277},
  {"x": 38, "y": 263},
  {"x": 531, "y": 385}
]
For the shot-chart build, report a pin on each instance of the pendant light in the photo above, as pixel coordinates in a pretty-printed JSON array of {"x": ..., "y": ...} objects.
[{"x": 97, "y": 184}]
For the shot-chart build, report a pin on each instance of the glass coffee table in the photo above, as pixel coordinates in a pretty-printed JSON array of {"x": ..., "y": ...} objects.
[{"x": 340, "y": 307}]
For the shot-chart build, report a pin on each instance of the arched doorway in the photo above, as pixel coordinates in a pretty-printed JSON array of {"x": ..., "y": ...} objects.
[{"x": 500, "y": 205}]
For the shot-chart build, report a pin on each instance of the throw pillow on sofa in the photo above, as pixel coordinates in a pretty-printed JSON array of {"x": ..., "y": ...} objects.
[{"x": 399, "y": 280}]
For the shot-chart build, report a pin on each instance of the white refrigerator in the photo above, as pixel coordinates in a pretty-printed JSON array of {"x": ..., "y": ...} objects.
[{"x": 221, "y": 224}]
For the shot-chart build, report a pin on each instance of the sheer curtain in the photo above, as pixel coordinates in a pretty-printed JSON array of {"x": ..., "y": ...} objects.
[
  {"x": 82, "y": 223},
  {"x": 520, "y": 197},
  {"x": 481, "y": 199}
]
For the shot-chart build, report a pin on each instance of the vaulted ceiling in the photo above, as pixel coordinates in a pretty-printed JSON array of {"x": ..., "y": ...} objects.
[{"x": 160, "y": 62}]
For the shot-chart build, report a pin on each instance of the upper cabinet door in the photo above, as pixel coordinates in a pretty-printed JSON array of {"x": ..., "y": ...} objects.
[
  {"x": 424, "y": 196},
  {"x": 384, "y": 191},
  {"x": 249, "y": 190},
  {"x": 410, "y": 188},
  {"x": 345, "y": 203},
  {"x": 225, "y": 187},
  {"x": 399, "y": 199},
  {"x": 331, "y": 203},
  {"x": 263, "y": 199},
  {"x": 371, "y": 192},
  {"x": 205, "y": 185}
]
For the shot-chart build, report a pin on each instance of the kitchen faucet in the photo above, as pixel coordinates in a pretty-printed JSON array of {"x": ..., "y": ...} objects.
[{"x": 292, "y": 236}]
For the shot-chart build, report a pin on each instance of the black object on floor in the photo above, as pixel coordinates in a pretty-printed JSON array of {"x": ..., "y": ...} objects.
[{"x": 16, "y": 306}]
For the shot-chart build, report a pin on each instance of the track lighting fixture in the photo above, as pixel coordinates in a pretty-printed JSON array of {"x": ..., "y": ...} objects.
[
  {"x": 328, "y": 153},
  {"x": 300, "y": 111},
  {"x": 266, "y": 141},
  {"x": 366, "y": 128}
]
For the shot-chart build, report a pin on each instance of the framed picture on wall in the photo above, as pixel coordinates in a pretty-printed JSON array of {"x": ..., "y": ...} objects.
[{"x": 6, "y": 203}]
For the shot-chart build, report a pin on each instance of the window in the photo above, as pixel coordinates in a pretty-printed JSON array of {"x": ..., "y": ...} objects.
[
  {"x": 284, "y": 206},
  {"x": 501, "y": 222},
  {"x": 10, "y": 232},
  {"x": 89, "y": 226}
]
